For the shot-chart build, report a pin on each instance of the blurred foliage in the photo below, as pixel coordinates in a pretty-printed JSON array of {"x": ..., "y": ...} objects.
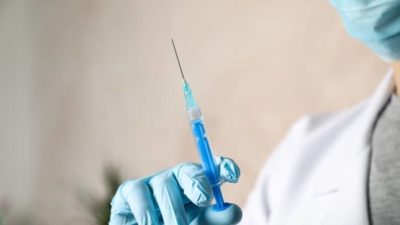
[
  {"x": 4, "y": 208},
  {"x": 100, "y": 208}
]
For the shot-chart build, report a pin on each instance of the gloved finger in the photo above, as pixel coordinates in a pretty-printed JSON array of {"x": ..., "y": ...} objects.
[
  {"x": 138, "y": 196},
  {"x": 168, "y": 196},
  {"x": 194, "y": 183},
  {"x": 121, "y": 214},
  {"x": 192, "y": 211},
  {"x": 228, "y": 169}
]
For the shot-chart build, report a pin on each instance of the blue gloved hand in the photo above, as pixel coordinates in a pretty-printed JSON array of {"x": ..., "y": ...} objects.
[{"x": 172, "y": 197}]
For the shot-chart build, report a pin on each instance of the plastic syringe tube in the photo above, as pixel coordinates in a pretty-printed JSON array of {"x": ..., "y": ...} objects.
[{"x": 207, "y": 158}]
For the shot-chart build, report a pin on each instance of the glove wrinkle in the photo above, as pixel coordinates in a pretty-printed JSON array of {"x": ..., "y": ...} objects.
[{"x": 169, "y": 198}]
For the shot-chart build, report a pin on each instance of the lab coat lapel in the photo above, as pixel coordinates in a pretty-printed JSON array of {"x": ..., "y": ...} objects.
[{"x": 341, "y": 185}]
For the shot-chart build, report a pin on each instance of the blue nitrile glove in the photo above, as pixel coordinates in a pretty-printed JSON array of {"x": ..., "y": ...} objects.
[{"x": 172, "y": 197}]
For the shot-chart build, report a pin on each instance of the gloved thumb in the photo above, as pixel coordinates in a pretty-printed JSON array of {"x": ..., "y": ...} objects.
[{"x": 210, "y": 216}]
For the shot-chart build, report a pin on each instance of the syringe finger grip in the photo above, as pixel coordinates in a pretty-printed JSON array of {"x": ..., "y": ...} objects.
[{"x": 194, "y": 114}]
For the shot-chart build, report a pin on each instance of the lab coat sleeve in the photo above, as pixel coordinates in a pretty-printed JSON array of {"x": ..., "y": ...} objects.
[{"x": 258, "y": 208}]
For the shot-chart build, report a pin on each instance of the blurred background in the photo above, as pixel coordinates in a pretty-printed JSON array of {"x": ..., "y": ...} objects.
[{"x": 88, "y": 85}]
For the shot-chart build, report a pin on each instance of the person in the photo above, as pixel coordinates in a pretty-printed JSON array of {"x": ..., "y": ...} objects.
[{"x": 333, "y": 168}]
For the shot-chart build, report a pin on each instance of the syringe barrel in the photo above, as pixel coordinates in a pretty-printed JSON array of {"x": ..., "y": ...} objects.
[
  {"x": 207, "y": 158},
  {"x": 203, "y": 146}
]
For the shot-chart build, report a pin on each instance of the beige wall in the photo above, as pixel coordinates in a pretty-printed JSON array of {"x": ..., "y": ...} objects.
[{"x": 86, "y": 83}]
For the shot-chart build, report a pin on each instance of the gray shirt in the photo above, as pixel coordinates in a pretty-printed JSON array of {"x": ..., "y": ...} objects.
[{"x": 384, "y": 179}]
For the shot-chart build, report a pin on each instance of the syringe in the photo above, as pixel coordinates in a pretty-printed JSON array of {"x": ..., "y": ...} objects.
[{"x": 198, "y": 129}]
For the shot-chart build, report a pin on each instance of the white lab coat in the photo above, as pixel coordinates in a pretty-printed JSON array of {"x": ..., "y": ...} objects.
[{"x": 319, "y": 173}]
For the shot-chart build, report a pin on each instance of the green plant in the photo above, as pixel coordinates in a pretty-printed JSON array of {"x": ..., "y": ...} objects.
[{"x": 100, "y": 208}]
